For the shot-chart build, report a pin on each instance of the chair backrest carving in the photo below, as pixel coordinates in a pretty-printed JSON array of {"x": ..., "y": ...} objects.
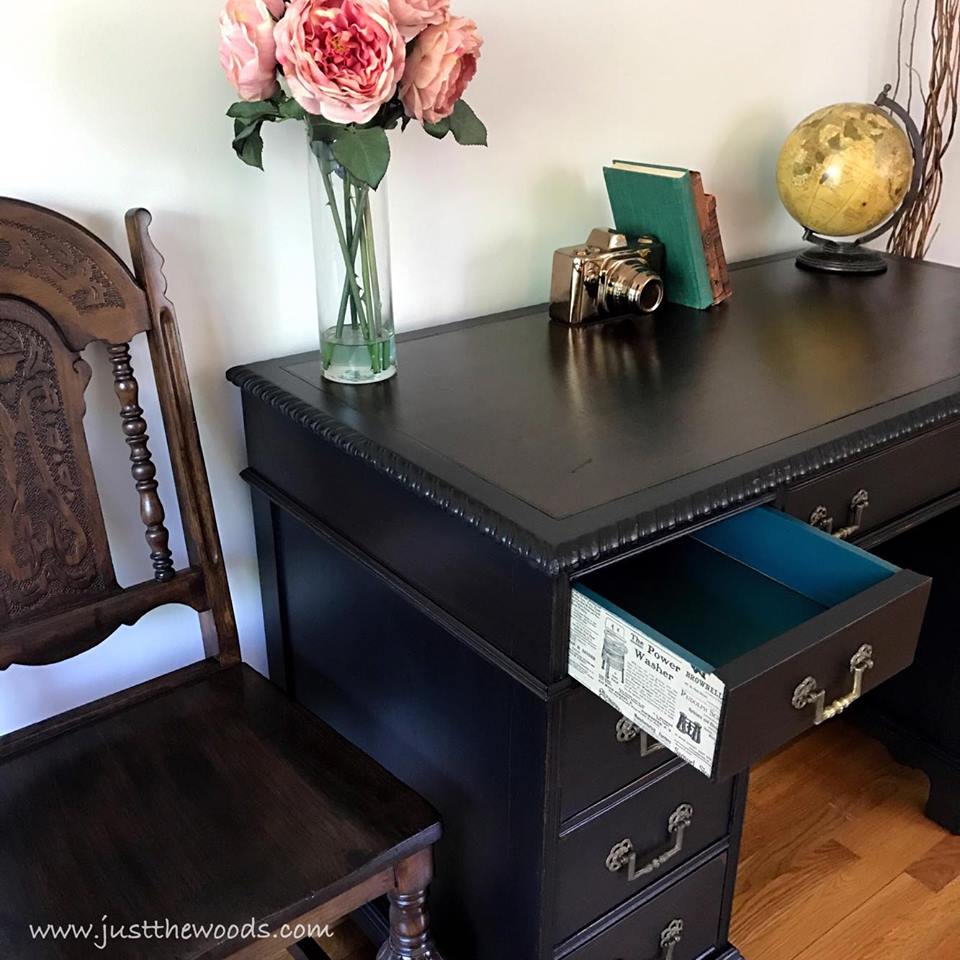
[
  {"x": 60, "y": 289},
  {"x": 53, "y": 546},
  {"x": 67, "y": 272}
]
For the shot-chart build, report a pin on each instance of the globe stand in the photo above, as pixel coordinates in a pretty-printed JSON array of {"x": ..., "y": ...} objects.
[
  {"x": 832, "y": 256},
  {"x": 837, "y": 256}
]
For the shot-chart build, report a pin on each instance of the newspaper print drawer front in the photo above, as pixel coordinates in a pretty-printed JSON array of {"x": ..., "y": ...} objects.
[
  {"x": 609, "y": 855},
  {"x": 727, "y": 643}
]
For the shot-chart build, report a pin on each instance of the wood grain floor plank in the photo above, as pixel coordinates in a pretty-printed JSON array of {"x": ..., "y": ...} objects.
[
  {"x": 806, "y": 792},
  {"x": 797, "y": 910},
  {"x": 939, "y": 866},
  {"x": 906, "y": 921},
  {"x": 861, "y": 935},
  {"x": 932, "y": 931},
  {"x": 773, "y": 917},
  {"x": 833, "y": 824}
]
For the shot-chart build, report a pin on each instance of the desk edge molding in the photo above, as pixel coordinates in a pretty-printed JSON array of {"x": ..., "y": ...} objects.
[{"x": 568, "y": 557}]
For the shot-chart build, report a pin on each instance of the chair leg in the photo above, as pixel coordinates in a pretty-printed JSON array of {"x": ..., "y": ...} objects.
[{"x": 410, "y": 937}]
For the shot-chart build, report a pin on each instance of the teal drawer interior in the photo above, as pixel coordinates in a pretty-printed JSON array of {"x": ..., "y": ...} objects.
[{"x": 731, "y": 587}]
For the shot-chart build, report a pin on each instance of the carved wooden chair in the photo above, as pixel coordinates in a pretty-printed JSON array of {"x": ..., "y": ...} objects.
[{"x": 202, "y": 797}]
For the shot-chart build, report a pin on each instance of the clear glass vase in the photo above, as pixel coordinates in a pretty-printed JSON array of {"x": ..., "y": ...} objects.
[{"x": 351, "y": 245}]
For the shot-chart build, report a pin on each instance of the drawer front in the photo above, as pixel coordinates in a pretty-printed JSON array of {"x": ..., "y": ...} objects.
[
  {"x": 600, "y": 751},
  {"x": 897, "y": 481},
  {"x": 614, "y": 855},
  {"x": 772, "y": 695},
  {"x": 686, "y": 914}
]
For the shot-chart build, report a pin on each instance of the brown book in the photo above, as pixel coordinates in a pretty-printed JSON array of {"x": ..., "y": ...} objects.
[
  {"x": 706, "y": 204},
  {"x": 716, "y": 258}
]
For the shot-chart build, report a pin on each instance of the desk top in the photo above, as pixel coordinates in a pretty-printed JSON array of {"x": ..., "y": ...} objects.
[{"x": 568, "y": 444}]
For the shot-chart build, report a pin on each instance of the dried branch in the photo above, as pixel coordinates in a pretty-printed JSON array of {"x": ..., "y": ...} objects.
[
  {"x": 913, "y": 49},
  {"x": 916, "y": 230},
  {"x": 903, "y": 16}
]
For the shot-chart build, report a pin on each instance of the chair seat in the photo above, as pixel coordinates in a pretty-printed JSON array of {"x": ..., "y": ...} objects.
[{"x": 216, "y": 802}]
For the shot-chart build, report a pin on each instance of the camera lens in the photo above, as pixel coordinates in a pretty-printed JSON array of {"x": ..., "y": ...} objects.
[{"x": 631, "y": 288}]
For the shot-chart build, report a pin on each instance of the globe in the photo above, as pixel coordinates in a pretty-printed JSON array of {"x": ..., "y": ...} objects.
[{"x": 845, "y": 169}]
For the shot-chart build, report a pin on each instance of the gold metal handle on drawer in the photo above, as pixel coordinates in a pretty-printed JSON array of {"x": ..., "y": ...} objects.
[
  {"x": 627, "y": 730},
  {"x": 821, "y": 519},
  {"x": 807, "y": 692},
  {"x": 622, "y": 854},
  {"x": 670, "y": 936}
]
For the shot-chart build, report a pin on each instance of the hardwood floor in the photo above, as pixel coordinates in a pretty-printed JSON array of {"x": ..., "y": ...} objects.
[{"x": 839, "y": 862}]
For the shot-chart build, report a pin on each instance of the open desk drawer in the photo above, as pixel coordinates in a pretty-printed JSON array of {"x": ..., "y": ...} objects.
[{"x": 726, "y": 643}]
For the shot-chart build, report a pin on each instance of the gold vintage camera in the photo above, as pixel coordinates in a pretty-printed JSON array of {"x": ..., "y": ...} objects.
[{"x": 610, "y": 275}]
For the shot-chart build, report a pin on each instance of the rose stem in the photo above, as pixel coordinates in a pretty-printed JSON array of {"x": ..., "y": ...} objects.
[
  {"x": 354, "y": 240},
  {"x": 363, "y": 222},
  {"x": 338, "y": 226},
  {"x": 361, "y": 193},
  {"x": 348, "y": 225},
  {"x": 375, "y": 279},
  {"x": 345, "y": 296}
]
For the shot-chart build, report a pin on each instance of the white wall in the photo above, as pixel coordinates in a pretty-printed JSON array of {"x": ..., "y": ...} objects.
[{"x": 116, "y": 103}]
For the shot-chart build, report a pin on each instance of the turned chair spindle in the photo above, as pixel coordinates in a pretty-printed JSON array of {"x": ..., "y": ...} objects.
[{"x": 142, "y": 466}]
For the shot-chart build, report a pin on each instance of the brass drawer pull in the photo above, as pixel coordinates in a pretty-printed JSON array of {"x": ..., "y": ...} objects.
[
  {"x": 821, "y": 519},
  {"x": 807, "y": 692},
  {"x": 623, "y": 855},
  {"x": 670, "y": 936},
  {"x": 627, "y": 730}
]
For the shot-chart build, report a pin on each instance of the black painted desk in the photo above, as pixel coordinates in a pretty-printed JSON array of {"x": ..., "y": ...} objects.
[{"x": 418, "y": 540}]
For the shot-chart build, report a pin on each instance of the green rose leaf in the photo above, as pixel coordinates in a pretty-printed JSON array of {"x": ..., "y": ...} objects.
[
  {"x": 253, "y": 110},
  {"x": 248, "y": 143},
  {"x": 291, "y": 110},
  {"x": 438, "y": 130},
  {"x": 364, "y": 152},
  {"x": 323, "y": 129},
  {"x": 242, "y": 129},
  {"x": 468, "y": 129}
]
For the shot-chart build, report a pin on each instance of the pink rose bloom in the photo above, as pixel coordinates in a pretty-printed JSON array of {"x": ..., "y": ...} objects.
[
  {"x": 413, "y": 15},
  {"x": 441, "y": 64},
  {"x": 342, "y": 59},
  {"x": 248, "y": 52}
]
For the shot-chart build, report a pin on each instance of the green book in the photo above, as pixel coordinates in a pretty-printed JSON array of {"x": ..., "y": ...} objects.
[{"x": 647, "y": 198}]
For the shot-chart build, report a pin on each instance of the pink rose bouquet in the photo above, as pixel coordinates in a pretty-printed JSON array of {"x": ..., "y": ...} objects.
[
  {"x": 413, "y": 15},
  {"x": 441, "y": 64},
  {"x": 247, "y": 47},
  {"x": 341, "y": 60},
  {"x": 351, "y": 70}
]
